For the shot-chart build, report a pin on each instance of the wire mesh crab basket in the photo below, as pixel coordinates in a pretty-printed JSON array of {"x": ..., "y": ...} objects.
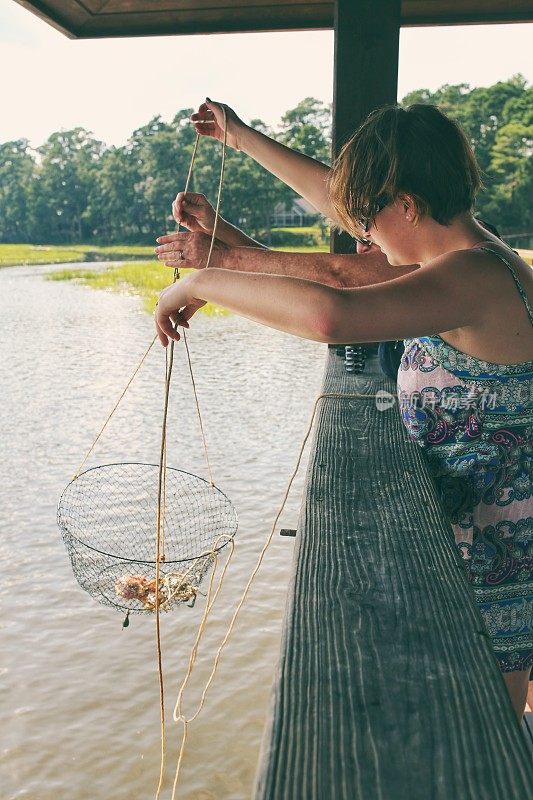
[{"x": 107, "y": 516}]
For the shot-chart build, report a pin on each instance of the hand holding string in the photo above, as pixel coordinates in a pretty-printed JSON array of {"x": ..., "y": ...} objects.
[
  {"x": 194, "y": 211},
  {"x": 190, "y": 250},
  {"x": 179, "y": 295},
  {"x": 216, "y": 120}
]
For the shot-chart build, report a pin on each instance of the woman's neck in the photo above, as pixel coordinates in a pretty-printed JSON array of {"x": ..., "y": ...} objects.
[{"x": 463, "y": 233}]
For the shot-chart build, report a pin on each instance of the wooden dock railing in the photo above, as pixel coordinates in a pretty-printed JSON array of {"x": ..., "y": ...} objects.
[{"x": 386, "y": 688}]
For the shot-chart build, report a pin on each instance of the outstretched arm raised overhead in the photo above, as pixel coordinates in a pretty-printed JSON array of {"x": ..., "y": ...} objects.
[{"x": 309, "y": 178}]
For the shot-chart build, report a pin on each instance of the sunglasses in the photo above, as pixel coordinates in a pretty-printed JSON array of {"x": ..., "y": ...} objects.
[
  {"x": 366, "y": 219},
  {"x": 361, "y": 240}
]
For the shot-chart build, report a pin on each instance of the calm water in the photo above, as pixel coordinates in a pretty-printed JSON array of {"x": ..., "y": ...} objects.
[{"x": 79, "y": 713}]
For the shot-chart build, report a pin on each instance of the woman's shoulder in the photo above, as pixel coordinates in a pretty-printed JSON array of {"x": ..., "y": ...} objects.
[
  {"x": 487, "y": 261},
  {"x": 500, "y": 285}
]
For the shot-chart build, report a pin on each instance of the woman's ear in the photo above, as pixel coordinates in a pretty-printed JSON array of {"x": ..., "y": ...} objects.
[{"x": 410, "y": 208}]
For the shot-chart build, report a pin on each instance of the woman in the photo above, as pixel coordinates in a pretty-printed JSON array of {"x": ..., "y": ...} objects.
[{"x": 407, "y": 180}]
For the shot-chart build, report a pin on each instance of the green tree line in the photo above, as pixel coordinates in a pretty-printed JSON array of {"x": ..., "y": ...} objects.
[{"x": 75, "y": 189}]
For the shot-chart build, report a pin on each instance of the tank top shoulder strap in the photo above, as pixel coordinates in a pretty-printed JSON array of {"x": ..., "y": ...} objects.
[{"x": 512, "y": 270}]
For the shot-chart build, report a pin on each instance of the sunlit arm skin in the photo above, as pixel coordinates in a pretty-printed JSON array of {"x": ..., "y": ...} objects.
[
  {"x": 438, "y": 297},
  {"x": 308, "y": 177},
  {"x": 339, "y": 270},
  {"x": 342, "y": 271}
]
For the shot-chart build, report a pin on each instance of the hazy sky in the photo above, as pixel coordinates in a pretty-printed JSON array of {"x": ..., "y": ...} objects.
[{"x": 113, "y": 86}]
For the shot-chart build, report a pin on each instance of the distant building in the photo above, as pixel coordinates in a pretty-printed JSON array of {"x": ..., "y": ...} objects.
[{"x": 297, "y": 215}]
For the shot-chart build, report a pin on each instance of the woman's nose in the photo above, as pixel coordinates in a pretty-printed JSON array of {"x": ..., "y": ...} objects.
[{"x": 362, "y": 248}]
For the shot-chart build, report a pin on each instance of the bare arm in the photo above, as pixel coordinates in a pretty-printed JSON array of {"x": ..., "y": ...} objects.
[
  {"x": 438, "y": 297},
  {"x": 194, "y": 211},
  {"x": 308, "y": 177},
  {"x": 342, "y": 271},
  {"x": 338, "y": 270}
]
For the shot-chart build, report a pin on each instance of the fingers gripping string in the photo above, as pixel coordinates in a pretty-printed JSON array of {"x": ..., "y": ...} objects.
[
  {"x": 208, "y": 263},
  {"x": 187, "y": 182}
]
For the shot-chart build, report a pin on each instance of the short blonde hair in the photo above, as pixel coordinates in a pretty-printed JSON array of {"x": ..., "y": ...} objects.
[{"x": 417, "y": 151}]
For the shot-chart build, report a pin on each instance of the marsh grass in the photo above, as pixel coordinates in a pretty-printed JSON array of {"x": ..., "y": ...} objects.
[
  {"x": 12, "y": 255},
  {"x": 145, "y": 279},
  {"x": 527, "y": 255},
  {"x": 319, "y": 248},
  {"x": 299, "y": 229}
]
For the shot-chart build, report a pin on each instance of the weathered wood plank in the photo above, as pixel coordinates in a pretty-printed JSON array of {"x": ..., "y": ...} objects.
[
  {"x": 527, "y": 728},
  {"x": 387, "y": 687}
]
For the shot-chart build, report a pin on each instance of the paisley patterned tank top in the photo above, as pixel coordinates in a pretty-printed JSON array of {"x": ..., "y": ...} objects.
[{"x": 474, "y": 420}]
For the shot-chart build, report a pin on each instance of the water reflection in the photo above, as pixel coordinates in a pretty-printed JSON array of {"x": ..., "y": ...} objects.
[{"x": 79, "y": 715}]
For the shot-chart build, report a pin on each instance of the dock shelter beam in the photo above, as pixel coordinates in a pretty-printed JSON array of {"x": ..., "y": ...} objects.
[{"x": 96, "y": 19}]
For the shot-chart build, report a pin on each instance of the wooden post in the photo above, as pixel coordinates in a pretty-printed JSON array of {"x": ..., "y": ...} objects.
[{"x": 365, "y": 72}]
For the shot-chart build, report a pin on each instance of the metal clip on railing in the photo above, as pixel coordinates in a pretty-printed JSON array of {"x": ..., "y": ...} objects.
[{"x": 354, "y": 358}]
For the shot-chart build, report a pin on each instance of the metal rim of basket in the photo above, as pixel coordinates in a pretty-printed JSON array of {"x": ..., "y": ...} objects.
[{"x": 143, "y": 464}]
